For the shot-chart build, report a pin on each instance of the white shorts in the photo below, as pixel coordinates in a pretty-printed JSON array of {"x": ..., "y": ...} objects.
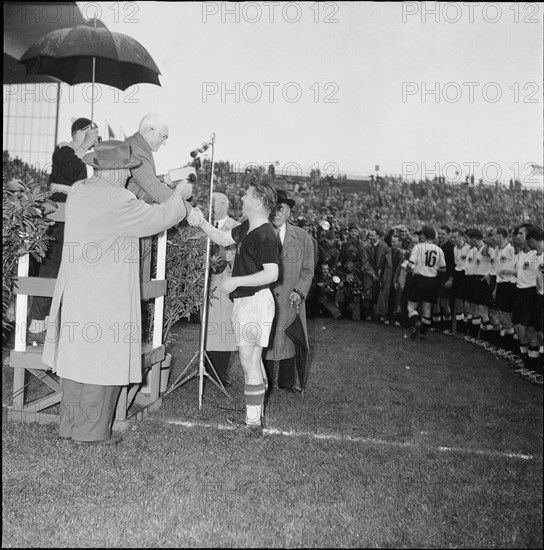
[{"x": 252, "y": 319}]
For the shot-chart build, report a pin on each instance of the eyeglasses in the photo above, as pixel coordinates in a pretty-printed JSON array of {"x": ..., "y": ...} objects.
[{"x": 163, "y": 136}]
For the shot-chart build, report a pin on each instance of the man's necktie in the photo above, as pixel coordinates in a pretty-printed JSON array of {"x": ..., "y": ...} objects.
[{"x": 279, "y": 236}]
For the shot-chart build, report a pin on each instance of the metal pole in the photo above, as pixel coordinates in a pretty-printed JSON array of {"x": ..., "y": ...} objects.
[
  {"x": 93, "y": 79},
  {"x": 204, "y": 321},
  {"x": 57, "y": 117}
]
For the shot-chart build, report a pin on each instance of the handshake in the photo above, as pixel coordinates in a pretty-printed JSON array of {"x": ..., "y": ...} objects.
[{"x": 196, "y": 217}]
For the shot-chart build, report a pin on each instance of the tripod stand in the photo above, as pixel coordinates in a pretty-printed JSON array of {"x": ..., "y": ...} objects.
[{"x": 192, "y": 369}]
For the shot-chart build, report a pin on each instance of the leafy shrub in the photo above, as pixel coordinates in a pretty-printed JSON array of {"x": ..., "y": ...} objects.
[
  {"x": 24, "y": 225},
  {"x": 185, "y": 269}
]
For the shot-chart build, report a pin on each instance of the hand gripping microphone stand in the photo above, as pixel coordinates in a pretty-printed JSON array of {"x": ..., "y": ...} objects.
[{"x": 191, "y": 371}]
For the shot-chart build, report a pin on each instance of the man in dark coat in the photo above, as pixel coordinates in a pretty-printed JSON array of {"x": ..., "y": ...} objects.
[
  {"x": 352, "y": 249},
  {"x": 374, "y": 253},
  {"x": 442, "y": 310},
  {"x": 290, "y": 292}
]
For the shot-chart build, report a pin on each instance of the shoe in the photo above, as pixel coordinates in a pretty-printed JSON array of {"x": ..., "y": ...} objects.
[
  {"x": 523, "y": 372},
  {"x": 397, "y": 324},
  {"x": 446, "y": 332},
  {"x": 294, "y": 389},
  {"x": 533, "y": 377},
  {"x": 253, "y": 430},
  {"x": 386, "y": 322},
  {"x": 415, "y": 330},
  {"x": 113, "y": 440}
]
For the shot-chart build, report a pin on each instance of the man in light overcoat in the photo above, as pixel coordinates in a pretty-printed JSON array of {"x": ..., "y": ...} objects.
[{"x": 93, "y": 338}]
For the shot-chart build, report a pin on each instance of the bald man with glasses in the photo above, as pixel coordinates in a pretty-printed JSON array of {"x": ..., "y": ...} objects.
[{"x": 144, "y": 183}]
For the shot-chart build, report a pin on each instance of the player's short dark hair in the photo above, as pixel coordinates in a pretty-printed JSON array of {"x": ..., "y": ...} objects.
[
  {"x": 263, "y": 191},
  {"x": 446, "y": 228},
  {"x": 477, "y": 234},
  {"x": 502, "y": 231},
  {"x": 378, "y": 231},
  {"x": 458, "y": 230},
  {"x": 535, "y": 233},
  {"x": 428, "y": 232}
]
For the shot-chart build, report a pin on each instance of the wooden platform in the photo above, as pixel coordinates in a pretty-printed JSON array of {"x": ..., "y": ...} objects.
[{"x": 28, "y": 359}]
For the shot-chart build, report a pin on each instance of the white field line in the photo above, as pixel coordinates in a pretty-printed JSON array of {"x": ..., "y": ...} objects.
[{"x": 364, "y": 440}]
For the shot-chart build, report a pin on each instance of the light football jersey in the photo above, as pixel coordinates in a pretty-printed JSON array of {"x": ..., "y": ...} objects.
[
  {"x": 470, "y": 266},
  {"x": 482, "y": 262},
  {"x": 427, "y": 259},
  {"x": 461, "y": 256},
  {"x": 527, "y": 268},
  {"x": 505, "y": 259}
]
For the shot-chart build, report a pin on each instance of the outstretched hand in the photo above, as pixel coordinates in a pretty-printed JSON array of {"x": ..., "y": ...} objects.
[{"x": 195, "y": 218}]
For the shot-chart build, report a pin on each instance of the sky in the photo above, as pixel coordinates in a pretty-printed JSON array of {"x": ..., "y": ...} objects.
[{"x": 411, "y": 88}]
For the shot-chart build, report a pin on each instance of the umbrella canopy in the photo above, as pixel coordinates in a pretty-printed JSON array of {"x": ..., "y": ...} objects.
[
  {"x": 295, "y": 332},
  {"x": 24, "y": 24},
  {"x": 72, "y": 54}
]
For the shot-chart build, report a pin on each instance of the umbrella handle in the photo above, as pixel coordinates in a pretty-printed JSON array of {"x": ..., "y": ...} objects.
[{"x": 92, "y": 93}]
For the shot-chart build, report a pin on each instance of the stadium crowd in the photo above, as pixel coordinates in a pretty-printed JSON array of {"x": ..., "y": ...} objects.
[
  {"x": 369, "y": 243},
  {"x": 365, "y": 239}
]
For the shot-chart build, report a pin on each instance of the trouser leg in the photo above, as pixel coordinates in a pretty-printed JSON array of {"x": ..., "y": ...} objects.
[
  {"x": 69, "y": 404},
  {"x": 220, "y": 361},
  {"x": 286, "y": 373},
  {"x": 269, "y": 368},
  {"x": 94, "y": 415}
]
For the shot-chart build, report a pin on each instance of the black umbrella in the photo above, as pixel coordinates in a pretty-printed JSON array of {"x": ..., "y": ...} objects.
[
  {"x": 24, "y": 24},
  {"x": 295, "y": 332},
  {"x": 91, "y": 53}
]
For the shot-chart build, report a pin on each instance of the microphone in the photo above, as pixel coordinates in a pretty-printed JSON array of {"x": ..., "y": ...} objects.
[{"x": 203, "y": 147}]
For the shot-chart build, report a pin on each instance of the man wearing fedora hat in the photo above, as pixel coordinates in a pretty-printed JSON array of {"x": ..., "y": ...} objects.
[
  {"x": 93, "y": 336},
  {"x": 290, "y": 292}
]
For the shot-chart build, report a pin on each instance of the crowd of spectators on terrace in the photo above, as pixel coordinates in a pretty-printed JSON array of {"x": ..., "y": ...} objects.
[
  {"x": 385, "y": 202},
  {"x": 382, "y": 202}
]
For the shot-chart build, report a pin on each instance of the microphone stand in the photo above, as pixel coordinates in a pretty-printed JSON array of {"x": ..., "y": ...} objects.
[{"x": 187, "y": 374}]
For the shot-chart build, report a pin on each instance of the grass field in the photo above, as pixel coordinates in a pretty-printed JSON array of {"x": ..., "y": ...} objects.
[{"x": 395, "y": 444}]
